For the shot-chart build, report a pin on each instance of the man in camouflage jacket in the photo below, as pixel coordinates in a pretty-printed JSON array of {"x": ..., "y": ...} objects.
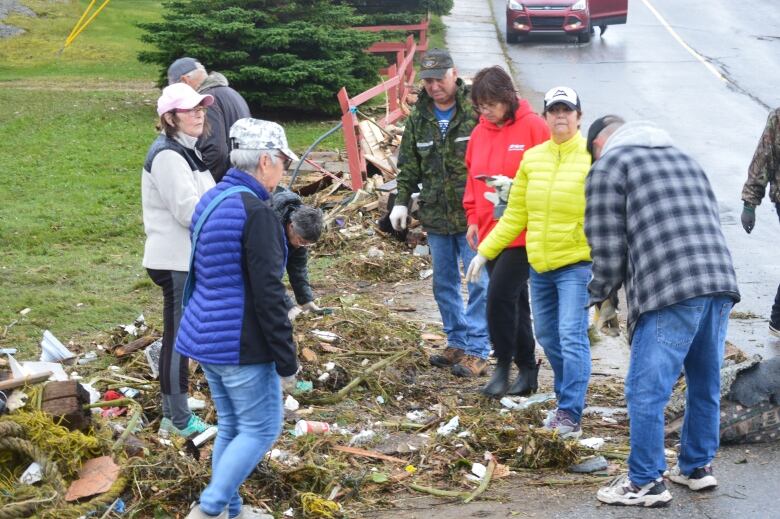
[
  {"x": 433, "y": 153},
  {"x": 765, "y": 169}
]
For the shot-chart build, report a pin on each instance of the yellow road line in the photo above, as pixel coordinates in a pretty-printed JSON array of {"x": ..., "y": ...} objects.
[{"x": 709, "y": 66}]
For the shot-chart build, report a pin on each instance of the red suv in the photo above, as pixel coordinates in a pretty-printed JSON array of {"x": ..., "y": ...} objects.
[{"x": 562, "y": 16}]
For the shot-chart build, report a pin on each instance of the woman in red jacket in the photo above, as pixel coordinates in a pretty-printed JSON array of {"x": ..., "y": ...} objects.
[{"x": 507, "y": 127}]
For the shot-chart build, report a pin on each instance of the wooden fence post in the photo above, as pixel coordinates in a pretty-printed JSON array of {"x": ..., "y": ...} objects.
[{"x": 349, "y": 125}]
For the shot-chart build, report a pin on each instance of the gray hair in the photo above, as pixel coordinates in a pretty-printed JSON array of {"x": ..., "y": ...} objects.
[
  {"x": 306, "y": 221},
  {"x": 246, "y": 160}
]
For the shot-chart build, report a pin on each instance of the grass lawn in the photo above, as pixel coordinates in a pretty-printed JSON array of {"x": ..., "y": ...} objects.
[{"x": 74, "y": 131}]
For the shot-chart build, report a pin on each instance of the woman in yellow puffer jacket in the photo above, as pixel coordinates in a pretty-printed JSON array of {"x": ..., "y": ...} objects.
[{"x": 548, "y": 200}]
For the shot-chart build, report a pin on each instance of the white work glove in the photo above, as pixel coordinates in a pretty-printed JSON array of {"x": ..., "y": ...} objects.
[
  {"x": 311, "y": 306},
  {"x": 607, "y": 321},
  {"x": 398, "y": 217},
  {"x": 288, "y": 383},
  {"x": 475, "y": 268},
  {"x": 294, "y": 312},
  {"x": 502, "y": 185}
]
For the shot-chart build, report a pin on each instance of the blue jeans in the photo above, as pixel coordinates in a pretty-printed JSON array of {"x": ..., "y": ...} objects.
[
  {"x": 559, "y": 301},
  {"x": 466, "y": 330},
  {"x": 248, "y": 399},
  {"x": 687, "y": 336}
]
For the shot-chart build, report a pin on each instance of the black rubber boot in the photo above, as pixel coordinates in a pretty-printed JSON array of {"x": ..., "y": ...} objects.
[
  {"x": 526, "y": 382},
  {"x": 499, "y": 382}
]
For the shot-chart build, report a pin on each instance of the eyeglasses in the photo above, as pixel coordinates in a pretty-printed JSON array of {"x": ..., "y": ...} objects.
[
  {"x": 192, "y": 111},
  {"x": 486, "y": 107},
  {"x": 286, "y": 161}
]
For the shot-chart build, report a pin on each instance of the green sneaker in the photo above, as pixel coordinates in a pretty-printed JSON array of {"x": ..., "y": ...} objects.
[{"x": 194, "y": 426}]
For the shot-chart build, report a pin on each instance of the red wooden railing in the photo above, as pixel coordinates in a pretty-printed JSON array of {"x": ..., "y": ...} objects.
[{"x": 400, "y": 80}]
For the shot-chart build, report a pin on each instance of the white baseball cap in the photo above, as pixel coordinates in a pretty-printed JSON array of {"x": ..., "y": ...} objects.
[{"x": 563, "y": 95}]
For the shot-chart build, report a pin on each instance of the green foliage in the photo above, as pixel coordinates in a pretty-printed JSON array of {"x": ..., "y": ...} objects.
[
  {"x": 398, "y": 12},
  {"x": 290, "y": 56}
]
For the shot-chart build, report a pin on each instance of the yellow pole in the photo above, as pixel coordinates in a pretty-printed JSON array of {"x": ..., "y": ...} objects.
[
  {"x": 78, "y": 24},
  {"x": 84, "y": 26}
]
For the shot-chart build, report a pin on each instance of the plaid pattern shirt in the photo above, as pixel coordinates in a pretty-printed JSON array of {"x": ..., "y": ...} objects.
[{"x": 652, "y": 222}]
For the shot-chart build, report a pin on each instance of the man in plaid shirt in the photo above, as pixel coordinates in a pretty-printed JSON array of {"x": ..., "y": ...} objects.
[{"x": 652, "y": 223}]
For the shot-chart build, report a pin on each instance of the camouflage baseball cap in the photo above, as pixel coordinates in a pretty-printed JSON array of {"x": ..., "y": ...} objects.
[
  {"x": 257, "y": 134},
  {"x": 435, "y": 63}
]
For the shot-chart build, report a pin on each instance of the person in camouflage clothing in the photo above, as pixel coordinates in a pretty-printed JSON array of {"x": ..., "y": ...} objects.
[
  {"x": 433, "y": 153},
  {"x": 765, "y": 169}
]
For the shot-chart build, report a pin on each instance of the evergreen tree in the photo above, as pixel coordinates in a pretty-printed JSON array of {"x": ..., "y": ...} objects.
[
  {"x": 282, "y": 55},
  {"x": 396, "y": 12}
]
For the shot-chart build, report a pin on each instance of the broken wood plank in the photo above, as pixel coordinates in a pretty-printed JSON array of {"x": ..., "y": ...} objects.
[
  {"x": 368, "y": 454},
  {"x": 37, "y": 378},
  {"x": 138, "y": 344}
]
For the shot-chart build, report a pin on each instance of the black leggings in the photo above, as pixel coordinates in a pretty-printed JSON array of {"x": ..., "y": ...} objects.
[
  {"x": 508, "y": 308},
  {"x": 174, "y": 373}
]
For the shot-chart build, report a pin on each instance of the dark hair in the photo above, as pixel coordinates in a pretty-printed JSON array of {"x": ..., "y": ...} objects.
[
  {"x": 306, "y": 221},
  {"x": 172, "y": 129},
  {"x": 598, "y": 126},
  {"x": 493, "y": 85}
]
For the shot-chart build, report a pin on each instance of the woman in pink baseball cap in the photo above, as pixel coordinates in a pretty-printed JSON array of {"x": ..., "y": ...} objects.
[{"x": 173, "y": 179}]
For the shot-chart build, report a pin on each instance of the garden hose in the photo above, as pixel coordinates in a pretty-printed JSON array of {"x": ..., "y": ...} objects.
[{"x": 309, "y": 150}]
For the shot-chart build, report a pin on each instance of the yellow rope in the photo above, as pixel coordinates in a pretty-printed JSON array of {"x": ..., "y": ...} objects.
[{"x": 79, "y": 27}]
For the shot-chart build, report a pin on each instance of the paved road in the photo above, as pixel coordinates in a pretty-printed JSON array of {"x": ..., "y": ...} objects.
[{"x": 714, "y": 100}]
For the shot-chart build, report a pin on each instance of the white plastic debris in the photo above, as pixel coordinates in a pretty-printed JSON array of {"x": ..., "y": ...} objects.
[
  {"x": 464, "y": 434},
  {"x": 131, "y": 392},
  {"x": 479, "y": 470},
  {"x": 325, "y": 376},
  {"x": 362, "y": 437},
  {"x": 592, "y": 443},
  {"x": 152, "y": 353},
  {"x": 25, "y": 311},
  {"x": 88, "y": 357},
  {"x": 364, "y": 362},
  {"x": 291, "y": 404},
  {"x": 380, "y": 400},
  {"x": 415, "y": 416},
  {"x": 195, "y": 404},
  {"x": 289, "y": 513},
  {"x": 450, "y": 427},
  {"x": 329, "y": 366},
  {"x": 374, "y": 252},
  {"x": 16, "y": 400},
  {"x": 30, "y": 367},
  {"x": 205, "y": 436},
  {"x": 509, "y": 403},
  {"x": 425, "y": 274},
  {"x": 52, "y": 350},
  {"x": 325, "y": 336},
  {"x": 32, "y": 475}
]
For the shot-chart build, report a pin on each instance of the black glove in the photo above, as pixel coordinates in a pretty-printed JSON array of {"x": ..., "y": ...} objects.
[
  {"x": 748, "y": 218},
  {"x": 777, "y": 208}
]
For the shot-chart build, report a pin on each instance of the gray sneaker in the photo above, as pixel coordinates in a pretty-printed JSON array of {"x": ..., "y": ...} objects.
[
  {"x": 774, "y": 329},
  {"x": 250, "y": 512},
  {"x": 564, "y": 424},
  {"x": 622, "y": 491},
  {"x": 197, "y": 513},
  {"x": 700, "y": 479}
]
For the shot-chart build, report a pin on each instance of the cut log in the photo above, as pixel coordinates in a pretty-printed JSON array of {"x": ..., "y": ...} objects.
[{"x": 65, "y": 401}]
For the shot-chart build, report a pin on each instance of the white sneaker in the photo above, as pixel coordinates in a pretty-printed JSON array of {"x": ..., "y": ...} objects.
[
  {"x": 621, "y": 491},
  {"x": 700, "y": 479}
]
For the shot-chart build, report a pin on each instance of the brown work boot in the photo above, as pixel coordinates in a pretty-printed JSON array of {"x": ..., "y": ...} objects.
[
  {"x": 449, "y": 357},
  {"x": 470, "y": 366}
]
